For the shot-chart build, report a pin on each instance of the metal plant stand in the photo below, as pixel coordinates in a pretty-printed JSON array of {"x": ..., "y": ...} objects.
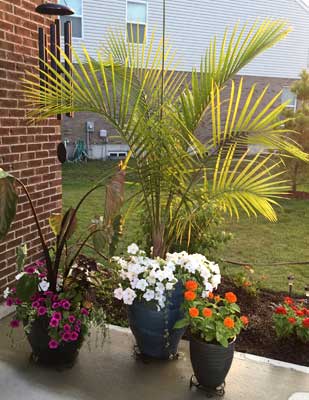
[{"x": 209, "y": 392}]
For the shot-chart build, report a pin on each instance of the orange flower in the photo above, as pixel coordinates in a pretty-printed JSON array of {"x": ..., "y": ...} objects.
[
  {"x": 217, "y": 299},
  {"x": 210, "y": 295},
  {"x": 189, "y": 295},
  {"x": 191, "y": 285},
  {"x": 244, "y": 320},
  {"x": 193, "y": 312},
  {"x": 229, "y": 323},
  {"x": 207, "y": 312},
  {"x": 231, "y": 297},
  {"x": 246, "y": 284}
]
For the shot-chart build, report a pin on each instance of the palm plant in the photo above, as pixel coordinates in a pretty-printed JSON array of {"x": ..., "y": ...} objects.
[{"x": 158, "y": 111}]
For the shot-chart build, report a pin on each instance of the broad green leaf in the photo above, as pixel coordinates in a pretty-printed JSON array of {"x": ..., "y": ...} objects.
[
  {"x": 21, "y": 256},
  {"x": 55, "y": 221},
  {"x": 8, "y": 202},
  {"x": 181, "y": 323},
  {"x": 26, "y": 287}
]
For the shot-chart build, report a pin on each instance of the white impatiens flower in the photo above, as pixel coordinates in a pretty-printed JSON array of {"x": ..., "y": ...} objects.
[
  {"x": 133, "y": 249},
  {"x": 6, "y": 293},
  {"x": 128, "y": 296},
  {"x": 142, "y": 284},
  {"x": 20, "y": 275},
  {"x": 216, "y": 280},
  {"x": 149, "y": 295},
  {"x": 44, "y": 285},
  {"x": 118, "y": 293},
  {"x": 169, "y": 286}
]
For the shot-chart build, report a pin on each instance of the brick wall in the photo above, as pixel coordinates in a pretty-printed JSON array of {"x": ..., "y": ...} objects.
[{"x": 28, "y": 152}]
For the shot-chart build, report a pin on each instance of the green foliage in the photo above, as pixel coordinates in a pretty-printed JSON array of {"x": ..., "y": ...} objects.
[
  {"x": 21, "y": 256},
  {"x": 8, "y": 202},
  {"x": 157, "y": 113},
  {"x": 248, "y": 280},
  {"x": 26, "y": 287}
]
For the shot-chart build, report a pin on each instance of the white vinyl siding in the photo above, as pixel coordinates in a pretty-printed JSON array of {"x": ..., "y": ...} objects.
[
  {"x": 190, "y": 24},
  {"x": 76, "y": 18}
]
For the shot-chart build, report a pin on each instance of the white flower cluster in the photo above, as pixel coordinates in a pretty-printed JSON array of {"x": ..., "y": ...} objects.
[{"x": 150, "y": 279}]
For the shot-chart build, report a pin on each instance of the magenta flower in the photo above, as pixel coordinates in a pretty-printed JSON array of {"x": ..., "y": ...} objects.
[
  {"x": 14, "y": 323},
  {"x": 53, "y": 344},
  {"x": 74, "y": 336},
  {"x": 57, "y": 315},
  {"x": 40, "y": 263},
  {"x": 78, "y": 322},
  {"x": 66, "y": 336},
  {"x": 67, "y": 327},
  {"x": 42, "y": 310},
  {"x": 13, "y": 290},
  {"x": 55, "y": 305},
  {"x": 49, "y": 293},
  {"x": 55, "y": 297},
  {"x": 30, "y": 270},
  {"x": 9, "y": 301},
  {"x": 18, "y": 302},
  {"x": 71, "y": 319},
  {"x": 84, "y": 311},
  {"x": 34, "y": 297},
  {"x": 65, "y": 304},
  {"x": 42, "y": 275},
  {"x": 54, "y": 323},
  {"x": 36, "y": 304},
  {"x": 77, "y": 328}
]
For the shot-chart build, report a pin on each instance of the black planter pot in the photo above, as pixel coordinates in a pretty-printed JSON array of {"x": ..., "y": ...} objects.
[
  {"x": 38, "y": 337},
  {"x": 153, "y": 330},
  {"x": 210, "y": 362}
]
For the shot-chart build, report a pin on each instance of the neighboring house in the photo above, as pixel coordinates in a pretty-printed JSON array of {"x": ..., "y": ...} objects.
[{"x": 190, "y": 25}]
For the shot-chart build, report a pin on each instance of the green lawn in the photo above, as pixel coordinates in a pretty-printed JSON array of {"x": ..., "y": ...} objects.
[{"x": 255, "y": 241}]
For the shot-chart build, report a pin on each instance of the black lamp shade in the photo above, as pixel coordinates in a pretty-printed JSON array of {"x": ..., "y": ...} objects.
[{"x": 54, "y": 9}]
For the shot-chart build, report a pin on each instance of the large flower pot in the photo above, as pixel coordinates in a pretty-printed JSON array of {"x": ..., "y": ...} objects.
[
  {"x": 210, "y": 362},
  {"x": 38, "y": 338},
  {"x": 153, "y": 330}
]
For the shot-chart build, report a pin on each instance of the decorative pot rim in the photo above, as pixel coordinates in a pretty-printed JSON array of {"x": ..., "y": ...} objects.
[{"x": 198, "y": 340}]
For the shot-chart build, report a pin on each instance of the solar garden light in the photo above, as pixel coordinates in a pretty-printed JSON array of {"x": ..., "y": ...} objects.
[
  {"x": 307, "y": 293},
  {"x": 291, "y": 283}
]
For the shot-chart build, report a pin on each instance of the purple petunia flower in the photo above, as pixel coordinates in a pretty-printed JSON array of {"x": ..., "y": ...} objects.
[
  {"x": 55, "y": 305},
  {"x": 18, "y": 302},
  {"x": 54, "y": 323},
  {"x": 74, "y": 336},
  {"x": 36, "y": 304},
  {"x": 71, "y": 319},
  {"x": 65, "y": 304},
  {"x": 77, "y": 328},
  {"x": 84, "y": 311},
  {"x": 66, "y": 336},
  {"x": 42, "y": 310},
  {"x": 30, "y": 270},
  {"x": 53, "y": 344},
  {"x": 14, "y": 323},
  {"x": 42, "y": 275},
  {"x": 9, "y": 301},
  {"x": 78, "y": 322},
  {"x": 57, "y": 315},
  {"x": 49, "y": 293},
  {"x": 67, "y": 327},
  {"x": 55, "y": 298}
]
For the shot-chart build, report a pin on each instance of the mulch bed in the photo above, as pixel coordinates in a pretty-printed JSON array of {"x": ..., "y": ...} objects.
[
  {"x": 259, "y": 339},
  {"x": 298, "y": 195}
]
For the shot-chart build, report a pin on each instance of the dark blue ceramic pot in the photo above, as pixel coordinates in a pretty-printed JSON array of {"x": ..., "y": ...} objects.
[{"x": 154, "y": 330}]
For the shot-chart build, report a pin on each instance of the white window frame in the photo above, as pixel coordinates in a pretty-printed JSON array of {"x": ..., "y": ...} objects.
[
  {"x": 81, "y": 16},
  {"x": 291, "y": 105},
  {"x": 144, "y": 2}
]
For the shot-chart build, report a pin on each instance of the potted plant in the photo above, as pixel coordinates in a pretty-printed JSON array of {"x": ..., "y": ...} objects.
[
  {"x": 55, "y": 297},
  {"x": 153, "y": 290},
  {"x": 213, "y": 323},
  {"x": 159, "y": 113}
]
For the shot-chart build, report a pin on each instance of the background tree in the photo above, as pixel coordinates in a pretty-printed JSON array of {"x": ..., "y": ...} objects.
[{"x": 299, "y": 125}]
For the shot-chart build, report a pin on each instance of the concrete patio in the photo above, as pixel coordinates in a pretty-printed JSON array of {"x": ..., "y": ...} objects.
[{"x": 113, "y": 373}]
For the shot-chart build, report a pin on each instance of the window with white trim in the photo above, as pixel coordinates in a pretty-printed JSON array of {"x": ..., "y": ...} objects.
[
  {"x": 76, "y": 18},
  {"x": 287, "y": 95},
  {"x": 136, "y": 20}
]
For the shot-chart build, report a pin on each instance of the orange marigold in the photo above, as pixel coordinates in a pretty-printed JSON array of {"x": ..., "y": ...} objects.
[
  {"x": 210, "y": 295},
  {"x": 207, "y": 312},
  {"x": 191, "y": 285},
  {"x": 244, "y": 320},
  {"x": 217, "y": 299},
  {"x": 193, "y": 312},
  {"x": 229, "y": 323},
  {"x": 231, "y": 297},
  {"x": 189, "y": 295}
]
